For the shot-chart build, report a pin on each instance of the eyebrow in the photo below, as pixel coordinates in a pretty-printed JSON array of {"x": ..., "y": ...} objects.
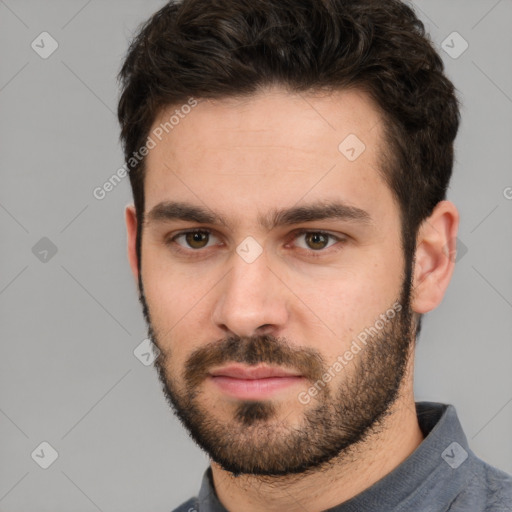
[{"x": 173, "y": 210}]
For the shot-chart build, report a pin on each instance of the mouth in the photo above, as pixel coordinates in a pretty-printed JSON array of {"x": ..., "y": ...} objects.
[
  {"x": 244, "y": 382},
  {"x": 252, "y": 373}
]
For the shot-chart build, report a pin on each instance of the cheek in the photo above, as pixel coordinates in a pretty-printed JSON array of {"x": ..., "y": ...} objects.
[
  {"x": 160, "y": 290},
  {"x": 350, "y": 300},
  {"x": 171, "y": 289},
  {"x": 178, "y": 301}
]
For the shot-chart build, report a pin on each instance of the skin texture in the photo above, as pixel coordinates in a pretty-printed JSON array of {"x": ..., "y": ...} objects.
[{"x": 293, "y": 305}]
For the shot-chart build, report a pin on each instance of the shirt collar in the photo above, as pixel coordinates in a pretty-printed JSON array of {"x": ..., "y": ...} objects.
[{"x": 442, "y": 463}]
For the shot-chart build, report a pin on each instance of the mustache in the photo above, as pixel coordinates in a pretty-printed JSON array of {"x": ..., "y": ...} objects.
[{"x": 252, "y": 351}]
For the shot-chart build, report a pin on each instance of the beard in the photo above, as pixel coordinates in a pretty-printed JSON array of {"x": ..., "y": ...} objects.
[{"x": 257, "y": 440}]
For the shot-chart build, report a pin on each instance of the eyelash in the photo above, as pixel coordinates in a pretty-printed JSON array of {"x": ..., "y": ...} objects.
[{"x": 296, "y": 234}]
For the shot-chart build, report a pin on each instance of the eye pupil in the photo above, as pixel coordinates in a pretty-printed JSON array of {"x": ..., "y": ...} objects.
[{"x": 316, "y": 240}]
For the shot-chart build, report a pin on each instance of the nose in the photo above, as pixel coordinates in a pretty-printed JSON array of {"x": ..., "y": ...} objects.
[{"x": 251, "y": 299}]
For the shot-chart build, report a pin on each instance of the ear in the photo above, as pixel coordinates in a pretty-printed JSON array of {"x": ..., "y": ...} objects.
[
  {"x": 436, "y": 246},
  {"x": 131, "y": 231}
]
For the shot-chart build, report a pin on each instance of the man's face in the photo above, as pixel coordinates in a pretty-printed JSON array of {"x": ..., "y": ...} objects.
[{"x": 266, "y": 279}]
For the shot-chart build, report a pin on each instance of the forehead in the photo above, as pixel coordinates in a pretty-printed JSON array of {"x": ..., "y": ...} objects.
[{"x": 275, "y": 147}]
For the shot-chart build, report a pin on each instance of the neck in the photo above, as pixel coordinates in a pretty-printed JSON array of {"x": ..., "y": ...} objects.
[{"x": 353, "y": 471}]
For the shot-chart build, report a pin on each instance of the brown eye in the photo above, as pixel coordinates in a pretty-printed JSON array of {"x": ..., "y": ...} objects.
[
  {"x": 197, "y": 239},
  {"x": 316, "y": 241},
  {"x": 194, "y": 243}
]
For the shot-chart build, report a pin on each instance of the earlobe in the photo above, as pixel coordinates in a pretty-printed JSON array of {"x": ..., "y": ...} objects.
[
  {"x": 131, "y": 231},
  {"x": 435, "y": 257}
]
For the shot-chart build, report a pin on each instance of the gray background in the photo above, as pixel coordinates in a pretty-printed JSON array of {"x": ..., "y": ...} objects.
[{"x": 70, "y": 323}]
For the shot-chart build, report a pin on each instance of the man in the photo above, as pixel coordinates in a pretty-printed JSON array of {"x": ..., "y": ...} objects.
[{"x": 289, "y": 162}]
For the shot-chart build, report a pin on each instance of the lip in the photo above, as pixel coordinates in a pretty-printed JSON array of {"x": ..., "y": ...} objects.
[
  {"x": 253, "y": 383},
  {"x": 251, "y": 373}
]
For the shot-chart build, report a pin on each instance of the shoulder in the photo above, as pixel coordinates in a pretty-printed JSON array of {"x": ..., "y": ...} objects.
[
  {"x": 487, "y": 489},
  {"x": 189, "y": 506},
  {"x": 498, "y": 485}
]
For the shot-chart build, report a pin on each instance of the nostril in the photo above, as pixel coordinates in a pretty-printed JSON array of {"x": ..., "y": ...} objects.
[{"x": 264, "y": 329}]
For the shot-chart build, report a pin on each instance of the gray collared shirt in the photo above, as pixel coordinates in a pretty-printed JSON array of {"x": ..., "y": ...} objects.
[{"x": 441, "y": 475}]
